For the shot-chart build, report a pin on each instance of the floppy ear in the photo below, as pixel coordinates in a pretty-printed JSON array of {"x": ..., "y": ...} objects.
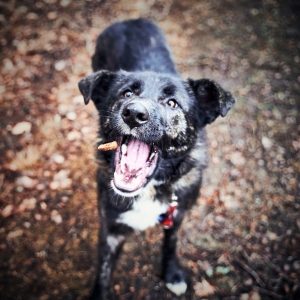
[
  {"x": 95, "y": 85},
  {"x": 213, "y": 100}
]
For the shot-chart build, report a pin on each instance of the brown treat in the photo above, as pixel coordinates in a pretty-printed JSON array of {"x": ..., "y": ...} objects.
[{"x": 108, "y": 146}]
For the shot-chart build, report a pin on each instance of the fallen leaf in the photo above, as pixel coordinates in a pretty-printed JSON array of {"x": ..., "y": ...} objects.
[
  {"x": 14, "y": 234},
  {"x": 204, "y": 288},
  {"x": 254, "y": 296},
  {"x": 21, "y": 128},
  {"x": 266, "y": 142},
  {"x": 73, "y": 135},
  {"x": 222, "y": 270},
  {"x": 26, "y": 182},
  {"x": 27, "y": 204},
  {"x": 237, "y": 158},
  {"x": 56, "y": 217},
  {"x": 7, "y": 211},
  {"x": 57, "y": 158},
  {"x": 71, "y": 115}
]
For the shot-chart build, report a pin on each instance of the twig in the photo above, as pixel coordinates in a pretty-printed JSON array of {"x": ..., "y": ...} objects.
[
  {"x": 251, "y": 272},
  {"x": 277, "y": 269},
  {"x": 270, "y": 293}
]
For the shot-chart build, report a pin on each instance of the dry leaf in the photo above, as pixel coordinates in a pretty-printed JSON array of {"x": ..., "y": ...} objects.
[
  {"x": 21, "y": 128},
  {"x": 204, "y": 288},
  {"x": 7, "y": 210}
]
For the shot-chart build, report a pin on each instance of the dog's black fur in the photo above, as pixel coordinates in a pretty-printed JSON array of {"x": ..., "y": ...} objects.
[{"x": 139, "y": 94}]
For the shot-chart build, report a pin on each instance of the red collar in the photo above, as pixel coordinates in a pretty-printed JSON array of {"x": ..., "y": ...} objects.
[{"x": 167, "y": 219}]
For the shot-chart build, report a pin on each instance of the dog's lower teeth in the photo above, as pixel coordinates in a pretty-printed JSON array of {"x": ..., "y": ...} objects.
[
  {"x": 124, "y": 149},
  {"x": 151, "y": 156}
]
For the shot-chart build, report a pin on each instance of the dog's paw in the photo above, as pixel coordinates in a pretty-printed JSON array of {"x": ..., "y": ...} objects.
[
  {"x": 176, "y": 280},
  {"x": 178, "y": 288}
]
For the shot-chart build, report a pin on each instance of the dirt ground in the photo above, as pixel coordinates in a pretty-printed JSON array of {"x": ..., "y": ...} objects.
[{"x": 241, "y": 240}]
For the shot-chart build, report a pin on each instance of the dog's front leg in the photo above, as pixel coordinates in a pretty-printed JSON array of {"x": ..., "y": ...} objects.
[
  {"x": 173, "y": 274},
  {"x": 109, "y": 247}
]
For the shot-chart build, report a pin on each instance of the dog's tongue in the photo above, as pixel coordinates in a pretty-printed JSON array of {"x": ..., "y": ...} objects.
[
  {"x": 136, "y": 156},
  {"x": 132, "y": 166}
]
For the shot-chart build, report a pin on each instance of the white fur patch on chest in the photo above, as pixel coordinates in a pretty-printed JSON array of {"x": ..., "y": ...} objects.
[{"x": 144, "y": 212}]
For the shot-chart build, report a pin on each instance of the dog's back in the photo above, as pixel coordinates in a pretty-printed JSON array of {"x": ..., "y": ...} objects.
[{"x": 134, "y": 45}]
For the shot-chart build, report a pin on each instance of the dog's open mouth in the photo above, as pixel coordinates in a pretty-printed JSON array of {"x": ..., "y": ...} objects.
[{"x": 135, "y": 162}]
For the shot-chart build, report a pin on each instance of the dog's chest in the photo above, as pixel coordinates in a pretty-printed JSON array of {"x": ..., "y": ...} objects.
[{"x": 145, "y": 211}]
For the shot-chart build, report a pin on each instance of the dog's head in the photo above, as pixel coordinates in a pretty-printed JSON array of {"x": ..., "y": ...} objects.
[{"x": 153, "y": 117}]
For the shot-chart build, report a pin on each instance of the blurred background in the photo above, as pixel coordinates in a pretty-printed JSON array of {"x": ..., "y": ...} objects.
[{"x": 241, "y": 240}]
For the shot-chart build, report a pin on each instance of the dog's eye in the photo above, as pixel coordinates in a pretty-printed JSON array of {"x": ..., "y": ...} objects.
[
  {"x": 127, "y": 93},
  {"x": 172, "y": 103}
]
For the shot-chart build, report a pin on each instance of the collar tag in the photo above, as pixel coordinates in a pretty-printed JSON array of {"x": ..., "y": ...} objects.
[{"x": 167, "y": 219}]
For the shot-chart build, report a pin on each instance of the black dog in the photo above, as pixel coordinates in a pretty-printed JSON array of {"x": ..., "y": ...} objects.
[{"x": 158, "y": 120}]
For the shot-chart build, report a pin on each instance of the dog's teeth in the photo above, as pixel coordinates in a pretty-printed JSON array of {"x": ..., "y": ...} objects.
[
  {"x": 124, "y": 149},
  {"x": 151, "y": 156}
]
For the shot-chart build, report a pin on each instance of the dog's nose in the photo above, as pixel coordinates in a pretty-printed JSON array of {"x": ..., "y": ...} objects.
[{"x": 135, "y": 114}]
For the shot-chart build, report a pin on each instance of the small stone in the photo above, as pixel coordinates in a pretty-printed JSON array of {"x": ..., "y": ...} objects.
[
  {"x": 61, "y": 180},
  {"x": 38, "y": 217},
  {"x": 57, "y": 158},
  {"x": 60, "y": 65},
  {"x": 254, "y": 11},
  {"x": 63, "y": 109},
  {"x": 272, "y": 236},
  {"x": 7, "y": 211},
  {"x": 222, "y": 270},
  {"x": 21, "y": 127},
  {"x": 27, "y": 224},
  {"x": 20, "y": 189},
  {"x": 14, "y": 234},
  {"x": 73, "y": 135},
  {"x": 65, "y": 184},
  {"x": 237, "y": 158},
  {"x": 266, "y": 142},
  {"x": 61, "y": 175},
  {"x": 71, "y": 115},
  {"x": 43, "y": 206},
  {"x": 248, "y": 281},
  {"x": 26, "y": 182},
  {"x": 209, "y": 272},
  {"x": 211, "y": 22},
  {"x": 56, "y": 217},
  {"x": 64, "y": 199}
]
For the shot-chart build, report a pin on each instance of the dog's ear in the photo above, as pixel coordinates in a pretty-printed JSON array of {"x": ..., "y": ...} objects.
[
  {"x": 213, "y": 100},
  {"x": 96, "y": 85}
]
